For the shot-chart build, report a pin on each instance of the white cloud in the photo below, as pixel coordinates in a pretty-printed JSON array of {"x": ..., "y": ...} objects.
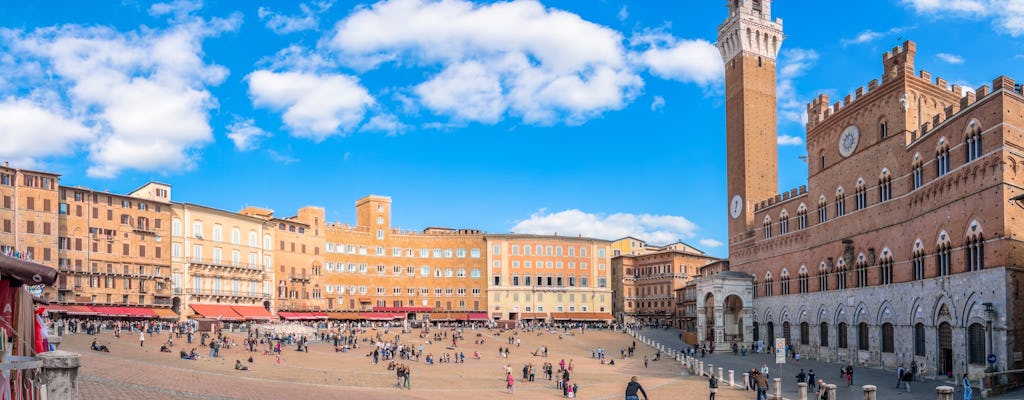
[
  {"x": 623, "y": 13},
  {"x": 315, "y": 105},
  {"x": 1007, "y": 15},
  {"x": 386, "y": 123},
  {"x": 787, "y": 140},
  {"x": 30, "y": 131},
  {"x": 658, "y": 103},
  {"x": 281, "y": 158},
  {"x": 793, "y": 64},
  {"x": 309, "y": 18},
  {"x": 708, "y": 242},
  {"x": 520, "y": 58},
  {"x": 683, "y": 60},
  {"x": 655, "y": 229},
  {"x": 246, "y": 135},
  {"x": 950, "y": 58},
  {"x": 868, "y": 36},
  {"x": 143, "y": 92}
]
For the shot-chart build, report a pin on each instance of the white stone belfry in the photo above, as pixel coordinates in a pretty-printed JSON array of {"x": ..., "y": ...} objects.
[
  {"x": 750, "y": 28},
  {"x": 728, "y": 297}
]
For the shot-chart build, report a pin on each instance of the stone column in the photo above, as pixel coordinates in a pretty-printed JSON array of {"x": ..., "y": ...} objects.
[
  {"x": 701, "y": 369},
  {"x": 60, "y": 371},
  {"x": 944, "y": 393},
  {"x": 746, "y": 380},
  {"x": 869, "y": 392},
  {"x": 778, "y": 388},
  {"x": 711, "y": 369},
  {"x": 801, "y": 390},
  {"x": 732, "y": 382},
  {"x": 831, "y": 389},
  {"x": 719, "y": 338}
]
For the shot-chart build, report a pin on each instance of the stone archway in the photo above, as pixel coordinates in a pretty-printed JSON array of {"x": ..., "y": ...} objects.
[
  {"x": 725, "y": 310},
  {"x": 709, "y": 317},
  {"x": 732, "y": 310}
]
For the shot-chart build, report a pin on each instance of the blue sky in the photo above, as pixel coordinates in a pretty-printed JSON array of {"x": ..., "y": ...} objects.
[{"x": 597, "y": 118}]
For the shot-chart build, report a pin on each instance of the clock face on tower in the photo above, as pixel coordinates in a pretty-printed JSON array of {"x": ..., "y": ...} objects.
[
  {"x": 736, "y": 206},
  {"x": 848, "y": 140}
]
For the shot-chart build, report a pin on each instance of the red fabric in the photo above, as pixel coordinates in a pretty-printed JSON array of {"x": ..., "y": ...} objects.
[
  {"x": 38, "y": 338},
  {"x": 7, "y": 306},
  {"x": 253, "y": 312}
]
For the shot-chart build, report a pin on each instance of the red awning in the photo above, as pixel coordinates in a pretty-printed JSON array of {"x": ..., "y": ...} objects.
[
  {"x": 403, "y": 309},
  {"x": 477, "y": 316},
  {"x": 253, "y": 312},
  {"x": 134, "y": 312},
  {"x": 380, "y": 316},
  {"x": 295, "y": 315},
  {"x": 216, "y": 311},
  {"x": 56, "y": 308},
  {"x": 79, "y": 310}
]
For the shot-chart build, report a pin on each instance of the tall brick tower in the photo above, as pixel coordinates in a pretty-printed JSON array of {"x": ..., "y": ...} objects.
[{"x": 749, "y": 42}]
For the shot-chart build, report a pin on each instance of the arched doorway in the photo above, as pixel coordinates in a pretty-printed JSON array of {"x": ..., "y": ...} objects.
[
  {"x": 176, "y": 304},
  {"x": 709, "y": 318},
  {"x": 771, "y": 334},
  {"x": 786, "y": 333},
  {"x": 757, "y": 331},
  {"x": 945, "y": 349},
  {"x": 733, "y": 315}
]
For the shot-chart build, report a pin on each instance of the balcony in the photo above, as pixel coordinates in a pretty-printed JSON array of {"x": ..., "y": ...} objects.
[
  {"x": 227, "y": 293},
  {"x": 300, "y": 278},
  {"x": 211, "y": 263}
]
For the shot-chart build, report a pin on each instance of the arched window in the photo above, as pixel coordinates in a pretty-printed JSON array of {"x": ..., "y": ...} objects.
[
  {"x": 840, "y": 202},
  {"x": 975, "y": 259},
  {"x": 768, "y": 284},
  {"x": 841, "y": 335},
  {"x": 972, "y": 139},
  {"x": 784, "y": 223},
  {"x": 784, "y": 281},
  {"x": 884, "y": 186},
  {"x": 887, "y": 338},
  {"x": 885, "y": 268},
  {"x": 861, "y": 195},
  {"x": 918, "y": 264},
  {"x": 976, "y": 344},
  {"x": 918, "y": 171},
  {"x": 822, "y": 277},
  {"x": 919, "y": 340},
  {"x": 841, "y": 274},
  {"x": 801, "y": 217},
  {"x": 862, "y": 273},
  {"x": 767, "y": 227},
  {"x": 822, "y": 210},
  {"x": 942, "y": 258},
  {"x": 802, "y": 280},
  {"x": 942, "y": 157},
  {"x": 883, "y": 130},
  {"x": 823, "y": 334},
  {"x": 862, "y": 337},
  {"x": 805, "y": 333},
  {"x": 786, "y": 332}
]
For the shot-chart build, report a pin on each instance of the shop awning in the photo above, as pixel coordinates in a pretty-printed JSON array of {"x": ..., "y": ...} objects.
[
  {"x": 533, "y": 316},
  {"x": 79, "y": 310},
  {"x": 403, "y": 309},
  {"x": 381, "y": 316},
  {"x": 132, "y": 312},
  {"x": 217, "y": 311},
  {"x": 165, "y": 313},
  {"x": 344, "y": 316},
  {"x": 296, "y": 315},
  {"x": 253, "y": 312},
  {"x": 477, "y": 316}
]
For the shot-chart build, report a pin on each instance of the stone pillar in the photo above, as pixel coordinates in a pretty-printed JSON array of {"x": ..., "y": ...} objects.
[
  {"x": 721, "y": 373},
  {"x": 778, "y": 388},
  {"x": 869, "y": 392},
  {"x": 701, "y": 369},
  {"x": 831, "y": 389},
  {"x": 711, "y": 369},
  {"x": 801, "y": 390},
  {"x": 746, "y": 380},
  {"x": 944, "y": 393},
  {"x": 60, "y": 371},
  {"x": 732, "y": 382}
]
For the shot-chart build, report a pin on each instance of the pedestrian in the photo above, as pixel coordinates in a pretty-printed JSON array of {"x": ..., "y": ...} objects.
[
  {"x": 764, "y": 371},
  {"x": 632, "y": 388},
  {"x": 761, "y": 383},
  {"x": 712, "y": 386},
  {"x": 907, "y": 377},
  {"x": 899, "y": 376},
  {"x": 796, "y": 357},
  {"x": 849, "y": 375},
  {"x": 811, "y": 380},
  {"x": 509, "y": 382},
  {"x": 822, "y": 390},
  {"x": 142, "y": 338},
  {"x": 645, "y": 361},
  {"x": 801, "y": 377},
  {"x": 968, "y": 392}
]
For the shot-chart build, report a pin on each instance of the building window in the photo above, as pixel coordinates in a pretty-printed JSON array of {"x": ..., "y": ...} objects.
[
  {"x": 861, "y": 197},
  {"x": 767, "y": 228},
  {"x": 973, "y": 141},
  {"x": 885, "y": 187},
  {"x": 784, "y": 283},
  {"x": 768, "y": 287},
  {"x": 942, "y": 161},
  {"x": 919, "y": 340},
  {"x": 805, "y": 333},
  {"x": 975, "y": 253},
  {"x": 862, "y": 336},
  {"x": 883, "y": 130},
  {"x": 942, "y": 259},
  {"x": 886, "y": 271},
  {"x": 822, "y": 279},
  {"x": 840, "y": 204},
  {"x": 887, "y": 338},
  {"x": 976, "y": 344},
  {"x": 801, "y": 218},
  {"x": 823, "y": 334},
  {"x": 803, "y": 282},
  {"x": 783, "y": 223},
  {"x": 862, "y": 274},
  {"x": 841, "y": 277},
  {"x": 822, "y": 210},
  {"x": 918, "y": 263}
]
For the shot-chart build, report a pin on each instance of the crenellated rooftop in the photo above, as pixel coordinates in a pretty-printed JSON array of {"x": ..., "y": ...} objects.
[
  {"x": 780, "y": 198},
  {"x": 968, "y": 98}
]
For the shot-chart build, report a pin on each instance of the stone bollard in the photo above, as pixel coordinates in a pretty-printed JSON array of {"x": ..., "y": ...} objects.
[
  {"x": 831, "y": 390},
  {"x": 732, "y": 381},
  {"x": 869, "y": 392},
  {"x": 944, "y": 393},
  {"x": 701, "y": 367},
  {"x": 746, "y": 380},
  {"x": 778, "y": 388},
  {"x": 60, "y": 372},
  {"x": 801, "y": 390},
  {"x": 711, "y": 369},
  {"x": 721, "y": 373}
]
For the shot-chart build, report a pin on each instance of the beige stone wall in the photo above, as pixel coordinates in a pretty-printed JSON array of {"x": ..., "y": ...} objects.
[{"x": 28, "y": 215}]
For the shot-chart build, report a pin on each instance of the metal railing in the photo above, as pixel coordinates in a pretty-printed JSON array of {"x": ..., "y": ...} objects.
[{"x": 223, "y": 264}]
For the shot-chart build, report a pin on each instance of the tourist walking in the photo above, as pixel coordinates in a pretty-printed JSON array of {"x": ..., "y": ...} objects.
[
  {"x": 712, "y": 386},
  {"x": 899, "y": 376},
  {"x": 822, "y": 390},
  {"x": 761, "y": 383},
  {"x": 632, "y": 388},
  {"x": 968, "y": 391},
  {"x": 142, "y": 338},
  {"x": 811, "y": 381},
  {"x": 509, "y": 382}
]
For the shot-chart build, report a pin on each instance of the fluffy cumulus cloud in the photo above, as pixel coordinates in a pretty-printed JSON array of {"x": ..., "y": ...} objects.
[
  {"x": 658, "y": 103},
  {"x": 385, "y": 123},
  {"x": 793, "y": 64},
  {"x": 656, "y": 229},
  {"x": 308, "y": 18},
  {"x": 520, "y": 58},
  {"x": 23, "y": 125},
  {"x": 684, "y": 60},
  {"x": 314, "y": 105},
  {"x": 708, "y": 242},
  {"x": 950, "y": 58},
  {"x": 868, "y": 36},
  {"x": 246, "y": 135},
  {"x": 142, "y": 94},
  {"x": 1007, "y": 15}
]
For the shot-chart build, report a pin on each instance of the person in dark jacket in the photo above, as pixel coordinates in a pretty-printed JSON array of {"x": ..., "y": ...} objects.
[{"x": 632, "y": 388}]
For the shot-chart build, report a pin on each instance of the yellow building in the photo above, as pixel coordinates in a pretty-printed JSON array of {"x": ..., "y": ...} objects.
[
  {"x": 299, "y": 259},
  {"x": 220, "y": 258},
  {"x": 370, "y": 266},
  {"x": 536, "y": 277}
]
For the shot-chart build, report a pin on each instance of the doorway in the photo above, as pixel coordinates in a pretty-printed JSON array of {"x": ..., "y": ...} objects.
[{"x": 945, "y": 349}]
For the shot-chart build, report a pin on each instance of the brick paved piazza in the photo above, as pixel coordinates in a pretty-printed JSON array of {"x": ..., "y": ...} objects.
[{"x": 131, "y": 372}]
